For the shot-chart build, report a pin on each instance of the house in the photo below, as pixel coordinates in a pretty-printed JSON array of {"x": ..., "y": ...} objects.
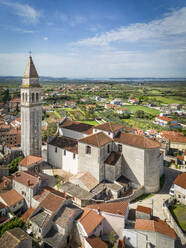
[
  {"x": 14, "y": 104},
  {"x": 110, "y": 106},
  {"x": 28, "y": 184},
  {"x": 16, "y": 123},
  {"x": 166, "y": 121},
  {"x": 61, "y": 232},
  {"x": 180, "y": 188},
  {"x": 15, "y": 238},
  {"x": 95, "y": 242},
  {"x": 175, "y": 141},
  {"x": 149, "y": 233},
  {"x": 30, "y": 162},
  {"x": 132, "y": 100},
  {"x": 13, "y": 200},
  {"x": 116, "y": 101},
  {"x": 115, "y": 214},
  {"x": 144, "y": 213},
  {"x": 70, "y": 104},
  {"x": 89, "y": 224},
  {"x": 42, "y": 219}
]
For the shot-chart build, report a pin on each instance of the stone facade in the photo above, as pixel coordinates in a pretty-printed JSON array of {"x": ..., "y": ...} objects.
[{"x": 31, "y": 113}]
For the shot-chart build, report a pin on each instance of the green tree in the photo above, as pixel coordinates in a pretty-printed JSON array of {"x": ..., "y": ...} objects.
[{"x": 13, "y": 166}]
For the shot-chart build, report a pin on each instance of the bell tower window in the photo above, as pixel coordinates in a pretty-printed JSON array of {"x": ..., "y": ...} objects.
[
  {"x": 23, "y": 97},
  {"x": 26, "y": 97},
  {"x": 37, "y": 97},
  {"x": 32, "y": 97}
]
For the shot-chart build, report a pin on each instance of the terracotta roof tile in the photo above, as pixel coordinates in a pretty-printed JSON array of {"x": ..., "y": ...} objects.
[
  {"x": 136, "y": 141},
  {"x": 119, "y": 208},
  {"x": 87, "y": 179},
  {"x": 26, "y": 178},
  {"x": 172, "y": 138},
  {"x": 11, "y": 197},
  {"x": 96, "y": 242},
  {"x": 90, "y": 220},
  {"x": 52, "y": 202},
  {"x": 27, "y": 214},
  {"x": 113, "y": 158},
  {"x": 30, "y": 160},
  {"x": 109, "y": 127},
  {"x": 65, "y": 143},
  {"x": 163, "y": 118},
  {"x": 144, "y": 209},
  {"x": 181, "y": 180},
  {"x": 155, "y": 226},
  {"x": 97, "y": 139},
  {"x": 77, "y": 126}
]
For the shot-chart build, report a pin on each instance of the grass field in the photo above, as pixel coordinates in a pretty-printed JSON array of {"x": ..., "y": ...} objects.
[
  {"x": 90, "y": 122},
  {"x": 170, "y": 99},
  {"x": 179, "y": 213},
  {"x": 134, "y": 108}
]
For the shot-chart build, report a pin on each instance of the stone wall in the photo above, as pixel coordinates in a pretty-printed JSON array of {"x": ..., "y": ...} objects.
[{"x": 170, "y": 218}]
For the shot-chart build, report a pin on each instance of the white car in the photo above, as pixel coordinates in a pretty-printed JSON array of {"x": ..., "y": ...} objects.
[{"x": 171, "y": 191}]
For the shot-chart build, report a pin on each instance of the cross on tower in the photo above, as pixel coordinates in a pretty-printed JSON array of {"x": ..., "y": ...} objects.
[{"x": 30, "y": 52}]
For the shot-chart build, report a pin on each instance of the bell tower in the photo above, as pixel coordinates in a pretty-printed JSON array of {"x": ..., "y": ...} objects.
[{"x": 31, "y": 111}]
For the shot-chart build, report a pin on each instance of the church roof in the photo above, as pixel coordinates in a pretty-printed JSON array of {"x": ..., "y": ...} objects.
[{"x": 30, "y": 71}]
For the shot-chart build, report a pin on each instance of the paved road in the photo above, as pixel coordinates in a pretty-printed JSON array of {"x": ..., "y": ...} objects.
[{"x": 156, "y": 201}]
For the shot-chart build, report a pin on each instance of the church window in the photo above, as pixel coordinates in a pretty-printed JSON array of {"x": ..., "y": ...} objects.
[
  {"x": 88, "y": 150},
  {"x": 37, "y": 97},
  {"x": 23, "y": 97},
  {"x": 74, "y": 155},
  {"x": 55, "y": 149},
  {"x": 119, "y": 148},
  {"x": 26, "y": 97},
  {"x": 64, "y": 152},
  {"x": 32, "y": 97}
]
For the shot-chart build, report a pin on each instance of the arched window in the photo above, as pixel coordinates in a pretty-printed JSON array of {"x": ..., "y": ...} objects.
[
  {"x": 32, "y": 97},
  {"x": 108, "y": 148},
  {"x": 37, "y": 97},
  {"x": 23, "y": 97},
  {"x": 26, "y": 97}
]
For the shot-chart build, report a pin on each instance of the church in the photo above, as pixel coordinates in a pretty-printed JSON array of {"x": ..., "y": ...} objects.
[{"x": 106, "y": 151}]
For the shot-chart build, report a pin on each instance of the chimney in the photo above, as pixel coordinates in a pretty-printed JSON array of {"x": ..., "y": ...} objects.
[
  {"x": 28, "y": 182},
  {"x": 17, "y": 174},
  {"x": 99, "y": 211}
]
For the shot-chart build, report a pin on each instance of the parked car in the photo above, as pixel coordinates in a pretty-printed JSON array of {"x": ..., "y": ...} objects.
[{"x": 171, "y": 191}]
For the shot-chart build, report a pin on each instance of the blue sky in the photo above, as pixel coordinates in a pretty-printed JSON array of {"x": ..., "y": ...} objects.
[{"x": 94, "y": 38}]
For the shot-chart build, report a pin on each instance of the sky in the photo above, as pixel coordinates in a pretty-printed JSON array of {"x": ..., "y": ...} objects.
[{"x": 94, "y": 38}]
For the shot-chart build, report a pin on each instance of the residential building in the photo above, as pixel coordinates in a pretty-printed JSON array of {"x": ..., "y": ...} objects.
[
  {"x": 15, "y": 238},
  {"x": 28, "y": 184},
  {"x": 115, "y": 214},
  {"x": 149, "y": 233},
  {"x": 180, "y": 188},
  {"x": 13, "y": 200},
  {"x": 14, "y": 104},
  {"x": 166, "y": 121},
  {"x": 30, "y": 162}
]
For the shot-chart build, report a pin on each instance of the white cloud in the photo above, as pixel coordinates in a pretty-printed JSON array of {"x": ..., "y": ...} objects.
[
  {"x": 72, "y": 20},
  {"x": 171, "y": 25},
  {"x": 25, "y": 11},
  {"x": 110, "y": 63},
  {"x": 45, "y": 38}
]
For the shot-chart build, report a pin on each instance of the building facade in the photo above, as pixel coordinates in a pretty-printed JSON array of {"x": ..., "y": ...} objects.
[{"x": 31, "y": 111}]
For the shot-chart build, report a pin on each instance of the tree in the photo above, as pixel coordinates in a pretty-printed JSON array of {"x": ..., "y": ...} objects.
[
  {"x": 6, "y": 96},
  {"x": 13, "y": 166}
]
